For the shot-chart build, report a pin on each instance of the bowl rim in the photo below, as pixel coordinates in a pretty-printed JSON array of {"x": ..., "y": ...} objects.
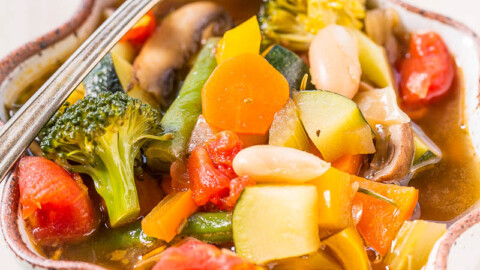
[
  {"x": 9, "y": 62},
  {"x": 10, "y": 197}
]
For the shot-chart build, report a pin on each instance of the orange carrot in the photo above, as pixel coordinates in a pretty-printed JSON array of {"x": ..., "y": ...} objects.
[
  {"x": 349, "y": 163},
  {"x": 243, "y": 94},
  {"x": 380, "y": 220},
  {"x": 162, "y": 222}
]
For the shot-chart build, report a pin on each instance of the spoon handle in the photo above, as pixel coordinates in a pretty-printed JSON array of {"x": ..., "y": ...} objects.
[{"x": 23, "y": 127}]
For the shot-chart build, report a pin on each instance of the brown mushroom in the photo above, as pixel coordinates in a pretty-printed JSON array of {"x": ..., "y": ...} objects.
[
  {"x": 174, "y": 41},
  {"x": 395, "y": 151}
]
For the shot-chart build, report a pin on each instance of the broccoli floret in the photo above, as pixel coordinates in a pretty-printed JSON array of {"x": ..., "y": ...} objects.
[
  {"x": 101, "y": 136},
  {"x": 294, "y": 23}
]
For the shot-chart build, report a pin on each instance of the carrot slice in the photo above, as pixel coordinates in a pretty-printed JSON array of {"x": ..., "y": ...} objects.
[
  {"x": 243, "y": 94},
  {"x": 380, "y": 220},
  {"x": 162, "y": 222},
  {"x": 349, "y": 163}
]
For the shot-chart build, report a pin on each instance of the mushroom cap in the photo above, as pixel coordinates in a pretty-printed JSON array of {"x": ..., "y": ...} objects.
[
  {"x": 394, "y": 156},
  {"x": 173, "y": 43}
]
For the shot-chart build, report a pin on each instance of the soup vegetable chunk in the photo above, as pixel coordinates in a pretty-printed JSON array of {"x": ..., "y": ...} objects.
[{"x": 284, "y": 142}]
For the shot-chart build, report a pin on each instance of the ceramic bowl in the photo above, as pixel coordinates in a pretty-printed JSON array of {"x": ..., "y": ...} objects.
[{"x": 457, "y": 249}]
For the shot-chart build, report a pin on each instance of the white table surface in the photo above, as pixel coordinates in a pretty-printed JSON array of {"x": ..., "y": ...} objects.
[{"x": 22, "y": 20}]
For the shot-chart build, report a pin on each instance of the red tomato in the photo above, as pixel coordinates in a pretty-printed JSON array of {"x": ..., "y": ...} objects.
[
  {"x": 55, "y": 204},
  {"x": 237, "y": 185},
  {"x": 211, "y": 173},
  {"x": 209, "y": 184},
  {"x": 194, "y": 254},
  {"x": 222, "y": 148},
  {"x": 142, "y": 30},
  {"x": 428, "y": 70}
]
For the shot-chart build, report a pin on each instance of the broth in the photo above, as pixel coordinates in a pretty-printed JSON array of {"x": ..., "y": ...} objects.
[{"x": 451, "y": 186}]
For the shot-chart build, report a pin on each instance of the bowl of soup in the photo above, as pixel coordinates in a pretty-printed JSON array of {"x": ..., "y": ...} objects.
[{"x": 272, "y": 135}]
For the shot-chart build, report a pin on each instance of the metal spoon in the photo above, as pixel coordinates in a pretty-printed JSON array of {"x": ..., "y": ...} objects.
[{"x": 20, "y": 131}]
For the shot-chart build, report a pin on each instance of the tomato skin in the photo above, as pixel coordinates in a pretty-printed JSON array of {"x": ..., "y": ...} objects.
[
  {"x": 55, "y": 204},
  {"x": 427, "y": 73},
  {"x": 142, "y": 30},
  {"x": 194, "y": 254}
]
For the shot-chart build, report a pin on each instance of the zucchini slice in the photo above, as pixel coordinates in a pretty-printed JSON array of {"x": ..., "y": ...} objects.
[
  {"x": 103, "y": 77},
  {"x": 289, "y": 64},
  {"x": 426, "y": 151},
  {"x": 287, "y": 129},
  {"x": 334, "y": 123},
  {"x": 276, "y": 222},
  {"x": 374, "y": 62}
]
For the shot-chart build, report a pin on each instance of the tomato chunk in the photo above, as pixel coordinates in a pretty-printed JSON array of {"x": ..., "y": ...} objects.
[
  {"x": 194, "y": 254},
  {"x": 211, "y": 173},
  {"x": 54, "y": 203},
  {"x": 209, "y": 184},
  {"x": 142, "y": 30},
  {"x": 428, "y": 70},
  {"x": 222, "y": 148}
]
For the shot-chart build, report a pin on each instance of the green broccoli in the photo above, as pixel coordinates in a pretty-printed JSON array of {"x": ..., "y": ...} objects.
[{"x": 102, "y": 136}]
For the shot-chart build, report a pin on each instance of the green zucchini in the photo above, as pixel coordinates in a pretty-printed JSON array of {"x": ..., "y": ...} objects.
[
  {"x": 103, "y": 77},
  {"x": 289, "y": 64},
  {"x": 114, "y": 73},
  {"x": 287, "y": 129},
  {"x": 213, "y": 228},
  {"x": 334, "y": 123},
  {"x": 182, "y": 115},
  {"x": 276, "y": 222},
  {"x": 426, "y": 151}
]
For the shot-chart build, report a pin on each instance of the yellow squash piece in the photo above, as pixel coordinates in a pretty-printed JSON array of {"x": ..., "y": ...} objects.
[
  {"x": 78, "y": 93},
  {"x": 163, "y": 221},
  {"x": 413, "y": 244},
  {"x": 335, "y": 196},
  {"x": 245, "y": 38},
  {"x": 349, "y": 249}
]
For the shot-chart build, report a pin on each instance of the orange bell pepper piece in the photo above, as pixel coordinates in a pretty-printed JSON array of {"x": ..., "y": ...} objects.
[{"x": 380, "y": 220}]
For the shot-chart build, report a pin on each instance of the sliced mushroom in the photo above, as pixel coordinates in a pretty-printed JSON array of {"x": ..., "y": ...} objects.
[
  {"x": 395, "y": 151},
  {"x": 174, "y": 41}
]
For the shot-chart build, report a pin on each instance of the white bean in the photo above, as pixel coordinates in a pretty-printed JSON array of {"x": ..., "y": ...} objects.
[
  {"x": 277, "y": 164},
  {"x": 334, "y": 63}
]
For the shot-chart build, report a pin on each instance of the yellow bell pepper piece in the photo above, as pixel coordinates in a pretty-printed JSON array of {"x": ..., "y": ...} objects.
[
  {"x": 349, "y": 249},
  {"x": 162, "y": 222},
  {"x": 76, "y": 95},
  {"x": 335, "y": 196},
  {"x": 245, "y": 38},
  {"x": 413, "y": 244}
]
